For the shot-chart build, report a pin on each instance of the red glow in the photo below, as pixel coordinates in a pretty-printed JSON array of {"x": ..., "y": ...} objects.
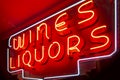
[
  {"x": 60, "y": 26},
  {"x": 18, "y": 61},
  {"x": 42, "y": 58},
  {"x": 73, "y": 48},
  {"x": 88, "y": 17},
  {"x": 57, "y": 55},
  {"x": 30, "y": 36},
  {"x": 39, "y": 28},
  {"x": 100, "y": 38},
  {"x": 24, "y": 58},
  {"x": 54, "y": 46},
  {"x": 11, "y": 63},
  {"x": 19, "y": 42}
]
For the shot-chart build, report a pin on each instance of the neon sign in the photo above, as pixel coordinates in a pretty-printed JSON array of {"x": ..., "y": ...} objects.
[{"x": 53, "y": 47}]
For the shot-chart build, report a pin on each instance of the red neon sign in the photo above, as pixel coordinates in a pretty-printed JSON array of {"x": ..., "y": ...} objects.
[{"x": 53, "y": 47}]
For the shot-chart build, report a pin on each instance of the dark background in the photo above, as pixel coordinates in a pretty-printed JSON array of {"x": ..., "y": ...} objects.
[{"x": 107, "y": 69}]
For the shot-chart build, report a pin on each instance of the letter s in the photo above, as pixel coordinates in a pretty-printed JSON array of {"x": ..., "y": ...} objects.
[
  {"x": 87, "y": 16},
  {"x": 103, "y": 40}
]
